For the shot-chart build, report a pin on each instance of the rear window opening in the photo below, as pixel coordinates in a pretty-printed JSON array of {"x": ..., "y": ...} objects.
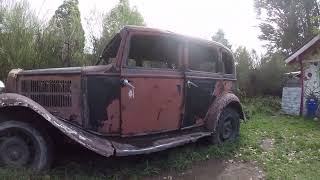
[
  {"x": 228, "y": 63},
  {"x": 203, "y": 58},
  {"x": 149, "y": 51}
]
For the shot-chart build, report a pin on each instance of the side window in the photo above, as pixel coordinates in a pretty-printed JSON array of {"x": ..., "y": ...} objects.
[
  {"x": 110, "y": 52},
  {"x": 149, "y": 51},
  {"x": 203, "y": 58},
  {"x": 228, "y": 63}
]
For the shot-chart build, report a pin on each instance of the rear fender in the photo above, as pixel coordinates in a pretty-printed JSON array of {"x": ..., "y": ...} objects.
[
  {"x": 90, "y": 141},
  {"x": 220, "y": 103}
]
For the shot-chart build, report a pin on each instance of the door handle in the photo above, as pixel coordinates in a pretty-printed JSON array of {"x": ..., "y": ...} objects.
[
  {"x": 127, "y": 83},
  {"x": 190, "y": 83}
]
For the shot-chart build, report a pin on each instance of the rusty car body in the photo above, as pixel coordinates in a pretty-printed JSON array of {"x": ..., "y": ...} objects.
[{"x": 151, "y": 90}]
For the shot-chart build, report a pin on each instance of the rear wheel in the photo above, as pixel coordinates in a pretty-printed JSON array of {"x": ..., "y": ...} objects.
[
  {"x": 22, "y": 145},
  {"x": 228, "y": 127}
]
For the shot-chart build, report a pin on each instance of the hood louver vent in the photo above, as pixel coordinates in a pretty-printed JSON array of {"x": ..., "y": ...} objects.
[{"x": 49, "y": 93}]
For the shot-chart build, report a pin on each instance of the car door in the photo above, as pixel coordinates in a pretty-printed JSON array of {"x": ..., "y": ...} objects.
[
  {"x": 201, "y": 75},
  {"x": 152, "y": 91}
]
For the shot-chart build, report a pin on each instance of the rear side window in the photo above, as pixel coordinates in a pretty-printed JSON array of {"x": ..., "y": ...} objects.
[
  {"x": 149, "y": 51},
  {"x": 203, "y": 58},
  {"x": 228, "y": 62}
]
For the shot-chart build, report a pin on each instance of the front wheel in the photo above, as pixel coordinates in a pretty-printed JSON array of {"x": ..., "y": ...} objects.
[
  {"x": 227, "y": 128},
  {"x": 22, "y": 145}
]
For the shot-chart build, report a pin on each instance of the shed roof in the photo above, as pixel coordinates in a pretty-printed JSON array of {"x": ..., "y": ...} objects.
[{"x": 303, "y": 49}]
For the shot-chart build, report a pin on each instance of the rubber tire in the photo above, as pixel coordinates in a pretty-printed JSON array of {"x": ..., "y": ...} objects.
[
  {"x": 227, "y": 113},
  {"x": 43, "y": 159}
]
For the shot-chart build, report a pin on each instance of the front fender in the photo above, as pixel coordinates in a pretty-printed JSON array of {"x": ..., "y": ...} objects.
[
  {"x": 90, "y": 141},
  {"x": 219, "y": 104}
]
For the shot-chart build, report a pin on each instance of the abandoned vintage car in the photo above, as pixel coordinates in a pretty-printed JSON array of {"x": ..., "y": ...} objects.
[{"x": 150, "y": 91}]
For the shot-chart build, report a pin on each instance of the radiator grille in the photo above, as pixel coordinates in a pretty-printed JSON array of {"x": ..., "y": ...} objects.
[{"x": 50, "y": 93}]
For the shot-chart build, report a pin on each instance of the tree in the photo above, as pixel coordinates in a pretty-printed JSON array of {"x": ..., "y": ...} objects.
[
  {"x": 259, "y": 76},
  {"x": 287, "y": 24},
  {"x": 119, "y": 16},
  {"x": 244, "y": 64},
  {"x": 270, "y": 74},
  {"x": 220, "y": 37},
  {"x": 65, "y": 29},
  {"x": 18, "y": 27}
]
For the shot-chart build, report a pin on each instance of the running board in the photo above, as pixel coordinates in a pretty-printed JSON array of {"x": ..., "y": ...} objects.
[{"x": 146, "y": 147}]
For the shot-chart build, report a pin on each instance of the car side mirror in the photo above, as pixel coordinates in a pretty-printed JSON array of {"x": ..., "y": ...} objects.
[{"x": 2, "y": 86}]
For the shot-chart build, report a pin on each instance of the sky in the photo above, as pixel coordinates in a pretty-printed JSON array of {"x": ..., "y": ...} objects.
[{"x": 198, "y": 18}]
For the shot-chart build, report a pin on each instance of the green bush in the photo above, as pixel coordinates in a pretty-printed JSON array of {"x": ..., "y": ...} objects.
[
  {"x": 268, "y": 105},
  {"x": 259, "y": 76}
]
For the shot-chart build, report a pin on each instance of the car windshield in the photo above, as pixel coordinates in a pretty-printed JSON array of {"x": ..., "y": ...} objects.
[{"x": 110, "y": 52}]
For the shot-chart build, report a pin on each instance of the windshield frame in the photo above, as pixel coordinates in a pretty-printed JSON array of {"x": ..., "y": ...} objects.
[{"x": 108, "y": 49}]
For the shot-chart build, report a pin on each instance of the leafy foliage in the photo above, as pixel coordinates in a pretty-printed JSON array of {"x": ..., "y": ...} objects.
[
  {"x": 286, "y": 24},
  {"x": 259, "y": 76},
  {"x": 121, "y": 15},
  {"x": 68, "y": 34},
  {"x": 18, "y": 32},
  {"x": 244, "y": 67},
  {"x": 28, "y": 43}
]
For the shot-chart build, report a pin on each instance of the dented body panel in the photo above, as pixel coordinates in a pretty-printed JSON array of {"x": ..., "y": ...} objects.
[{"x": 119, "y": 110}]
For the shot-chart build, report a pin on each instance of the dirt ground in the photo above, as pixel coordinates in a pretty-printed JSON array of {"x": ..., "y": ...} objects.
[
  {"x": 215, "y": 169},
  {"x": 205, "y": 170}
]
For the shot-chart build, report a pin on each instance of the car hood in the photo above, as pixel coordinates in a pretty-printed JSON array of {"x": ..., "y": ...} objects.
[{"x": 67, "y": 70}]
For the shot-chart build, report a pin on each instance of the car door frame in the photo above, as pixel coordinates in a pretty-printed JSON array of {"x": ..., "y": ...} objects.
[
  {"x": 201, "y": 75},
  {"x": 126, "y": 71}
]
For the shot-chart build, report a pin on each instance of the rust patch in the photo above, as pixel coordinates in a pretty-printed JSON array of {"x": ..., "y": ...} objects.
[
  {"x": 223, "y": 92},
  {"x": 199, "y": 122},
  {"x": 11, "y": 84},
  {"x": 50, "y": 89},
  {"x": 227, "y": 86},
  {"x": 152, "y": 109},
  {"x": 217, "y": 107},
  {"x": 218, "y": 89},
  {"x": 112, "y": 124},
  {"x": 146, "y": 146}
]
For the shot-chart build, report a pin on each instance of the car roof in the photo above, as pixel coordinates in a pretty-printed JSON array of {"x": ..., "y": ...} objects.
[{"x": 160, "y": 31}]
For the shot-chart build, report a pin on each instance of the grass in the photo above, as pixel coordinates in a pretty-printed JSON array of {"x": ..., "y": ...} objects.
[{"x": 296, "y": 152}]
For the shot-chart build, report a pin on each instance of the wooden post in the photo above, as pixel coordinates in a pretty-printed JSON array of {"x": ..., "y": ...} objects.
[{"x": 302, "y": 85}]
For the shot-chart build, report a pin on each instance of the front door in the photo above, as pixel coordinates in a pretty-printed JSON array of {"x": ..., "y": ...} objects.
[
  {"x": 201, "y": 77},
  {"x": 152, "y": 92}
]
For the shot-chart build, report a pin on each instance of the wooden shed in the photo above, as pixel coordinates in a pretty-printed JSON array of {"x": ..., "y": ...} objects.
[{"x": 307, "y": 58}]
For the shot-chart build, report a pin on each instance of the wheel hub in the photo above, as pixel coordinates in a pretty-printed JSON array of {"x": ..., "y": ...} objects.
[{"x": 14, "y": 151}]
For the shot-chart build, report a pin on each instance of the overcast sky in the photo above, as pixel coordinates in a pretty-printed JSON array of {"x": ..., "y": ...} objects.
[{"x": 199, "y": 18}]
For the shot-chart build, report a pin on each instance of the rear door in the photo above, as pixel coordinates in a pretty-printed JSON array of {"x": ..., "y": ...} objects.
[
  {"x": 152, "y": 92},
  {"x": 202, "y": 73}
]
